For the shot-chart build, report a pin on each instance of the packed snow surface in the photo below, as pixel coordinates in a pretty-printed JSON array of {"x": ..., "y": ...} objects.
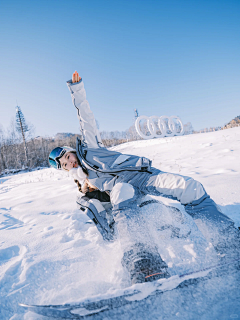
[{"x": 50, "y": 253}]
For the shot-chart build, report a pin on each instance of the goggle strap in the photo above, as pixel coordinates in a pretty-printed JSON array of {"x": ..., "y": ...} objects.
[{"x": 57, "y": 159}]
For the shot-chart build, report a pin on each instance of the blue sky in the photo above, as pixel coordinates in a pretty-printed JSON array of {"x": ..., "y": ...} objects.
[{"x": 172, "y": 57}]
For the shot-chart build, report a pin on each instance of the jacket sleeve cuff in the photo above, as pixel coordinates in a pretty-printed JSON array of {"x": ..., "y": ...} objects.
[{"x": 74, "y": 87}]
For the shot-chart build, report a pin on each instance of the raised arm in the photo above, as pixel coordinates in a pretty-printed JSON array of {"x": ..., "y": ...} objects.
[{"x": 89, "y": 130}]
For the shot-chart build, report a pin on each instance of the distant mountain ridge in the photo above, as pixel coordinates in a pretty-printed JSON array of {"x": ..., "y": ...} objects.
[{"x": 63, "y": 135}]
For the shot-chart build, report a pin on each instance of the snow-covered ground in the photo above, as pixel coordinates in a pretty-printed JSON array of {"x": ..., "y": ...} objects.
[{"x": 50, "y": 253}]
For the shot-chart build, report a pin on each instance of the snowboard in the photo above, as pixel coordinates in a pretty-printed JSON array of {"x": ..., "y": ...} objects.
[{"x": 138, "y": 292}]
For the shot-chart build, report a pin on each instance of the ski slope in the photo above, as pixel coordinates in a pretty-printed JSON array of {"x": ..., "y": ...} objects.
[{"x": 51, "y": 254}]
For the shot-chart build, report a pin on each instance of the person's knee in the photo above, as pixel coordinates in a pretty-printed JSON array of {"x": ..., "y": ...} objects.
[
  {"x": 193, "y": 191},
  {"x": 121, "y": 194},
  {"x": 184, "y": 189}
]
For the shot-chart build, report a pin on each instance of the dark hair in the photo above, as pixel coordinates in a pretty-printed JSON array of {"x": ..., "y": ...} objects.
[{"x": 79, "y": 185}]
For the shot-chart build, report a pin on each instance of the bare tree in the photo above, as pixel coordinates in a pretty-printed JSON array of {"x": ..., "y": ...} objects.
[
  {"x": 2, "y": 163},
  {"x": 22, "y": 128},
  {"x": 188, "y": 128}
]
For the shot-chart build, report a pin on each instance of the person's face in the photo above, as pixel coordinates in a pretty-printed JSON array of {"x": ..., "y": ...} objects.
[{"x": 69, "y": 161}]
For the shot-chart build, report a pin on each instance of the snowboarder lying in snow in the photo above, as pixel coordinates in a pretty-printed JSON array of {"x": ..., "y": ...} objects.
[{"x": 105, "y": 176}]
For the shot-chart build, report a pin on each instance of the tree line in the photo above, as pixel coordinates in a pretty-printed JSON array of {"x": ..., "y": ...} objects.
[
  {"x": 13, "y": 155},
  {"x": 13, "y": 149},
  {"x": 20, "y": 151}
]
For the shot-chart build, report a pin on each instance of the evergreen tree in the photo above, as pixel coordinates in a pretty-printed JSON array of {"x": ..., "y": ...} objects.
[{"x": 22, "y": 128}]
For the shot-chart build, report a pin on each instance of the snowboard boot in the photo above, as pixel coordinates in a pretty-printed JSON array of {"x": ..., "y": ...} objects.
[
  {"x": 144, "y": 265},
  {"x": 147, "y": 270}
]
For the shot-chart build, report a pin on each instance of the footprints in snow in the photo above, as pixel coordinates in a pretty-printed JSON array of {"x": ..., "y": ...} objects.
[
  {"x": 219, "y": 171},
  {"x": 8, "y": 253},
  {"x": 53, "y": 213},
  {"x": 78, "y": 224},
  {"x": 8, "y": 222},
  {"x": 11, "y": 260},
  {"x": 204, "y": 145}
]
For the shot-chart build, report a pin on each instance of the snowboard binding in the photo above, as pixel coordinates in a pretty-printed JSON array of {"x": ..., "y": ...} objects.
[{"x": 144, "y": 264}]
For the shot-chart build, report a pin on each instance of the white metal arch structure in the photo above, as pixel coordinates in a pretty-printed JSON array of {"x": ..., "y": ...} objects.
[{"x": 165, "y": 125}]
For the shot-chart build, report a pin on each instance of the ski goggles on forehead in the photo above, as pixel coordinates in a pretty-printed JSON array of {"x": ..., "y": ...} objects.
[{"x": 55, "y": 155}]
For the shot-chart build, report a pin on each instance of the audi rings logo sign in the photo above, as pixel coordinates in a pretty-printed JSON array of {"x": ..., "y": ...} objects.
[{"x": 160, "y": 127}]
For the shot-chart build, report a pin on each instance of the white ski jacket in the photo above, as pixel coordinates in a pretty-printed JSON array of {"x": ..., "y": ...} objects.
[{"x": 104, "y": 166}]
